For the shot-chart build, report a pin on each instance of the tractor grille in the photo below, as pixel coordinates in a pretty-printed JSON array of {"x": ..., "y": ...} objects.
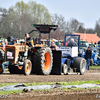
[{"x": 10, "y": 54}]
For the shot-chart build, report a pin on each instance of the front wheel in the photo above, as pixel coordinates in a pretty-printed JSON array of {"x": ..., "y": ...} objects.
[
  {"x": 64, "y": 69},
  {"x": 27, "y": 67}
]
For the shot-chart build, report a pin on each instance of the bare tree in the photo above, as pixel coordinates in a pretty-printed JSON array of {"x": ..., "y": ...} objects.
[
  {"x": 81, "y": 29},
  {"x": 97, "y": 27},
  {"x": 17, "y": 20},
  {"x": 73, "y": 25},
  {"x": 90, "y": 30},
  {"x": 60, "y": 21},
  {"x": 4, "y": 25}
]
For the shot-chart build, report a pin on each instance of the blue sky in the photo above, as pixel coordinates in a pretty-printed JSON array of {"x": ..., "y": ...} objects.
[{"x": 85, "y": 11}]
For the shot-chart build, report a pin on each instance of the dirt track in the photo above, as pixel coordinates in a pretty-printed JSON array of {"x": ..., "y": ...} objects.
[
  {"x": 54, "y": 95},
  {"x": 91, "y": 94},
  {"x": 6, "y": 77}
]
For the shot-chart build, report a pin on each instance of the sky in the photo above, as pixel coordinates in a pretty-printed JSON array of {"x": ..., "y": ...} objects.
[{"x": 85, "y": 11}]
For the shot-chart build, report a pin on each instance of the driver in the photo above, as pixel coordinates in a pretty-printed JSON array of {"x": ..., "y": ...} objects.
[
  {"x": 72, "y": 43},
  {"x": 28, "y": 40},
  {"x": 53, "y": 46}
]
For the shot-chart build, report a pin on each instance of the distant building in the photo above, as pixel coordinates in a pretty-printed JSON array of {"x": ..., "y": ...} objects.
[{"x": 88, "y": 37}]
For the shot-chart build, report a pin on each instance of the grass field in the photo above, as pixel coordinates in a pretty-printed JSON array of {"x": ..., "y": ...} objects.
[{"x": 95, "y": 67}]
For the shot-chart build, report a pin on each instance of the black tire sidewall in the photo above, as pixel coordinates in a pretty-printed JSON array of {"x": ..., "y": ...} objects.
[{"x": 78, "y": 64}]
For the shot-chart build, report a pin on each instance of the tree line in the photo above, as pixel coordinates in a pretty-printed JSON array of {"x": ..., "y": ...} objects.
[{"x": 17, "y": 20}]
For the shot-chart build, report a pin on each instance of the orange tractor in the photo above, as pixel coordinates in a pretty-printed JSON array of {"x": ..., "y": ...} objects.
[
  {"x": 25, "y": 57},
  {"x": 3, "y": 44}
]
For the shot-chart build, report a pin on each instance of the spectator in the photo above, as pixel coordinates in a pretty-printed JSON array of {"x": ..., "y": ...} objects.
[
  {"x": 53, "y": 46},
  {"x": 88, "y": 56},
  {"x": 72, "y": 43}
]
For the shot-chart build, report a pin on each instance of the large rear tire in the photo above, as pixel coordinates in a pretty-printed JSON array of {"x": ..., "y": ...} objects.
[
  {"x": 79, "y": 65},
  {"x": 27, "y": 67},
  {"x": 42, "y": 61}
]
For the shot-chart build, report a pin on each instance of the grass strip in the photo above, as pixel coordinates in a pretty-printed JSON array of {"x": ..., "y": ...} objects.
[
  {"x": 95, "y": 67},
  {"x": 45, "y": 83},
  {"x": 54, "y": 83}
]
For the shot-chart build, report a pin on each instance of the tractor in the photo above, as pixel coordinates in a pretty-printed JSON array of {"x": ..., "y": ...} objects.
[
  {"x": 26, "y": 58},
  {"x": 84, "y": 45},
  {"x": 67, "y": 57}
]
